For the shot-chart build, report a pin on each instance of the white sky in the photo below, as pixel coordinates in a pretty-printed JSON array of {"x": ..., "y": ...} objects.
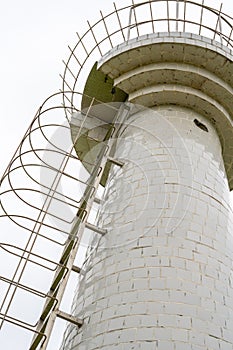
[{"x": 34, "y": 38}]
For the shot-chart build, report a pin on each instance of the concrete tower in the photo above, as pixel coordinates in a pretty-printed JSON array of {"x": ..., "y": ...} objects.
[{"x": 161, "y": 277}]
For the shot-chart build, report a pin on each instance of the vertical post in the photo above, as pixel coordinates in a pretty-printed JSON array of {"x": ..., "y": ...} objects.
[
  {"x": 202, "y": 8},
  {"x": 177, "y": 15},
  {"x": 168, "y": 17},
  {"x": 135, "y": 17},
  {"x": 184, "y": 15},
  {"x": 220, "y": 23},
  {"x": 119, "y": 21},
  {"x": 129, "y": 25},
  {"x": 152, "y": 20}
]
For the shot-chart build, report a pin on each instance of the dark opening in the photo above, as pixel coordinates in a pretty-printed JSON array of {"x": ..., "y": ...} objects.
[{"x": 200, "y": 125}]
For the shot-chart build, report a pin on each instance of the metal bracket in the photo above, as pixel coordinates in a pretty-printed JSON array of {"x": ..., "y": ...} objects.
[
  {"x": 75, "y": 320},
  {"x": 76, "y": 269},
  {"x": 115, "y": 161},
  {"x": 96, "y": 229},
  {"x": 97, "y": 200}
]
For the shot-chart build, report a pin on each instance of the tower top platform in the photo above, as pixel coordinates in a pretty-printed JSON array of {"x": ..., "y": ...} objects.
[
  {"x": 179, "y": 69},
  {"x": 162, "y": 52}
]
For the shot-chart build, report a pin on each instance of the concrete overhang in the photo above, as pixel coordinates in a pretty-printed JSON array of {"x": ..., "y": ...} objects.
[
  {"x": 100, "y": 104},
  {"x": 178, "y": 68}
]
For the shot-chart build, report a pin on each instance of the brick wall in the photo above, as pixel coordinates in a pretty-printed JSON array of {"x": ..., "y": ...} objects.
[{"x": 161, "y": 278}]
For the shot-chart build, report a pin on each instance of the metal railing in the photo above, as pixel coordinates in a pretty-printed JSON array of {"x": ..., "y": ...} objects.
[
  {"x": 32, "y": 169},
  {"x": 137, "y": 19}
]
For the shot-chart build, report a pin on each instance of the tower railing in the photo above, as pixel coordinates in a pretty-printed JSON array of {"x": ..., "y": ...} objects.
[{"x": 142, "y": 18}]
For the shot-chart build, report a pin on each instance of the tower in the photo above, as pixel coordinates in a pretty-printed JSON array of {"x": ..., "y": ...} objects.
[
  {"x": 161, "y": 276},
  {"x": 153, "y": 125}
]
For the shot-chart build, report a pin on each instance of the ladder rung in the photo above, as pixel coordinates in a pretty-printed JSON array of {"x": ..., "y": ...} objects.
[
  {"x": 115, "y": 161},
  {"x": 76, "y": 269},
  {"x": 97, "y": 200},
  {"x": 69, "y": 318},
  {"x": 54, "y": 297},
  {"x": 96, "y": 229}
]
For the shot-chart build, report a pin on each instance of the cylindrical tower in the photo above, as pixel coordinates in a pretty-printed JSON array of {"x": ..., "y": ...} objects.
[
  {"x": 161, "y": 277},
  {"x": 153, "y": 126}
]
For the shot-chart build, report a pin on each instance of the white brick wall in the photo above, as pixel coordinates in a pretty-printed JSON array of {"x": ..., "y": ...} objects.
[{"x": 161, "y": 278}]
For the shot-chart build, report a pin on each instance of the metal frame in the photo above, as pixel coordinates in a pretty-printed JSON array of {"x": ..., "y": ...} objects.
[
  {"x": 28, "y": 157},
  {"x": 35, "y": 224}
]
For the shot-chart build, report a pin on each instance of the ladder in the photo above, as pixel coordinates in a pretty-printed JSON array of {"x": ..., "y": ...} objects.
[{"x": 66, "y": 264}]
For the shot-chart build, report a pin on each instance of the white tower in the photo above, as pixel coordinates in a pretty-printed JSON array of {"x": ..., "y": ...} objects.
[
  {"x": 147, "y": 107},
  {"x": 161, "y": 277}
]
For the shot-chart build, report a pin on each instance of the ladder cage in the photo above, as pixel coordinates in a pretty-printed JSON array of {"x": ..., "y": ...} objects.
[
  {"x": 49, "y": 187},
  {"x": 45, "y": 197}
]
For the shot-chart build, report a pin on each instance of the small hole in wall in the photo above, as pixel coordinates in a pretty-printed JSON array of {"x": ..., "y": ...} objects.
[{"x": 200, "y": 125}]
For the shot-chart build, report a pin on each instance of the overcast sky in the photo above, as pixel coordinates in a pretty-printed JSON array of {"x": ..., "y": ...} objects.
[{"x": 34, "y": 38}]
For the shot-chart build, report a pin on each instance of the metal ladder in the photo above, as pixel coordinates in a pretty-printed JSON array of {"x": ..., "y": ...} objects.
[{"x": 66, "y": 263}]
